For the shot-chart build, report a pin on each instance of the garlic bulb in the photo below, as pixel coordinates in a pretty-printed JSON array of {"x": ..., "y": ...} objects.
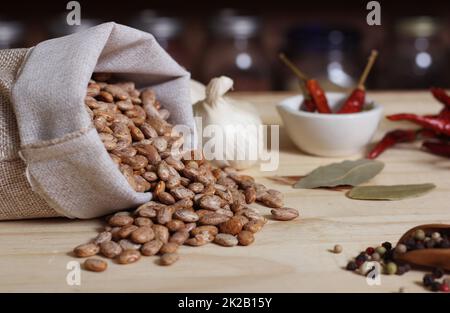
[
  {"x": 229, "y": 133},
  {"x": 197, "y": 91}
]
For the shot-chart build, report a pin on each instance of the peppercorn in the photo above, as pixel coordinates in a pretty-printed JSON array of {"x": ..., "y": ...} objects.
[
  {"x": 435, "y": 286},
  {"x": 380, "y": 250},
  {"x": 419, "y": 245},
  {"x": 370, "y": 250},
  {"x": 389, "y": 255},
  {"x": 400, "y": 270},
  {"x": 375, "y": 257},
  {"x": 427, "y": 280},
  {"x": 419, "y": 234},
  {"x": 359, "y": 262},
  {"x": 362, "y": 257},
  {"x": 391, "y": 268},
  {"x": 337, "y": 249},
  {"x": 401, "y": 248},
  {"x": 407, "y": 267},
  {"x": 410, "y": 243},
  {"x": 429, "y": 244},
  {"x": 438, "y": 273},
  {"x": 444, "y": 287},
  {"x": 444, "y": 244},
  {"x": 387, "y": 245},
  {"x": 351, "y": 266},
  {"x": 436, "y": 235}
]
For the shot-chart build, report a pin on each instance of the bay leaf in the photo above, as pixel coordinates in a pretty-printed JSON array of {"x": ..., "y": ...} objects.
[
  {"x": 395, "y": 192},
  {"x": 351, "y": 173}
]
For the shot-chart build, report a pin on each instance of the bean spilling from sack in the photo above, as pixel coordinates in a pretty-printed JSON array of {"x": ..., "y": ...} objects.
[{"x": 194, "y": 203}]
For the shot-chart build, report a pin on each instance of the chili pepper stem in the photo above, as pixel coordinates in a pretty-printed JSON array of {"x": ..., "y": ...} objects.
[
  {"x": 370, "y": 62},
  {"x": 293, "y": 68}
]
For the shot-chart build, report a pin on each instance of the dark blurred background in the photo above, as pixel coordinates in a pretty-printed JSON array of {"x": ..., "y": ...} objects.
[{"x": 329, "y": 40}]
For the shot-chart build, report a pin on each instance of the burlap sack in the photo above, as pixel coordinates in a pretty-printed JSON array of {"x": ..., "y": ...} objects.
[{"x": 52, "y": 161}]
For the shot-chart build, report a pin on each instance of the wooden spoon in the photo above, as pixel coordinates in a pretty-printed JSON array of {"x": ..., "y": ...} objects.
[{"x": 439, "y": 257}]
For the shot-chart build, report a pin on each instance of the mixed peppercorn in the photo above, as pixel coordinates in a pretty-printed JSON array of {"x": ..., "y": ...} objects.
[
  {"x": 385, "y": 255},
  {"x": 434, "y": 131},
  {"x": 426, "y": 240},
  {"x": 314, "y": 98},
  {"x": 431, "y": 281}
]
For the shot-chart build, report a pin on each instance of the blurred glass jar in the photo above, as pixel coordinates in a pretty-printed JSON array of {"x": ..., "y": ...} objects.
[
  {"x": 419, "y": 57},
  {"x": 330, "y": 55},
  {"x": 166, "y": 30},
  {"x": 11, "y": 34},
  {"x": 235, "y": 50}
]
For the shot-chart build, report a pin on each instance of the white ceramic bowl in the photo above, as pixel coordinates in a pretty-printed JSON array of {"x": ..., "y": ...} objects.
[{"x": 330, "y": 135}]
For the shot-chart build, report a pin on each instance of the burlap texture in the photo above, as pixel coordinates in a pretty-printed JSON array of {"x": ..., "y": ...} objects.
[
  {"x": 43, "y": 119},
  {"x": 16, "y": 198}
]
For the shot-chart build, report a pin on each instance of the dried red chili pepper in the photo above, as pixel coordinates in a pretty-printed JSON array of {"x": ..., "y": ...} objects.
[
  {"x": 308, "y": 103},
  {"x": 355, "y": 102},
  {"x": 441, "y": 95},
  {"x": 438, "y": 148},
  {"x": 391, "y": 138},
  {"x": 437, "y": 124},
  {"x": 426, "y": 133},
  {"x": 312, "y": 86},
  {"x": 434, "y": 126},
  {"x": 318, "y": 96},
  {"x": 445, "y": 113}
]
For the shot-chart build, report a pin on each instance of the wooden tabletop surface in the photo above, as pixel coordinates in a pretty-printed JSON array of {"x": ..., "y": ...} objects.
[{"x": 286, "y": 256}]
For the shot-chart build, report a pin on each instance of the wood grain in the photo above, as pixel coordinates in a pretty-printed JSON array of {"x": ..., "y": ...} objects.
[{"x": 286, "y": 256}]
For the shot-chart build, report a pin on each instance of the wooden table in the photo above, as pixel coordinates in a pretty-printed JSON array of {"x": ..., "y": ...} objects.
[{"x": 286, "y": 257}]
